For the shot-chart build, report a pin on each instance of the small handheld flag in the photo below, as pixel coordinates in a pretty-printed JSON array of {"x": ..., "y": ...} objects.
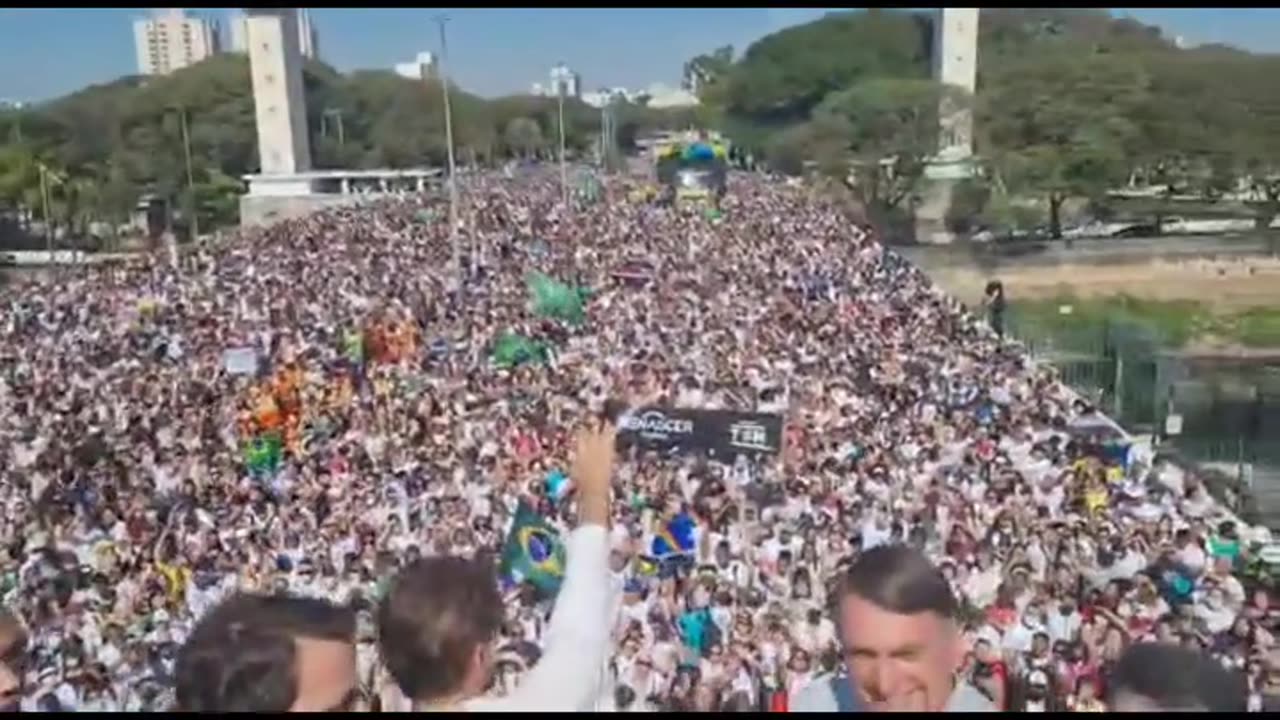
[
  {"x": 533, "y": 553},
  {"x": 676, "y": 537}
]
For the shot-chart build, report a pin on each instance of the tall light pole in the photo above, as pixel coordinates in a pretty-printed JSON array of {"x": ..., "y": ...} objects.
[
  {"x": 194, "y": 226},
  {"x": 564, "y": 170},
  {"x": 454, "y": 250},
  {"x": 191, "y": 178},
  {"x": 324, "y": 125},
  {"x": 44, "y": 202}
]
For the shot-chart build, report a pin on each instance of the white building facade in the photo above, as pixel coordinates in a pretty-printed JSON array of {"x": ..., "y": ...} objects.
[
  {"x": 170, "y": 40},
  {"x": 421, "y": 67},
  {"x": 565, "y": 82}
]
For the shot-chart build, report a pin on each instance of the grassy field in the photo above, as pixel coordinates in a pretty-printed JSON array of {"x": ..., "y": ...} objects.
[
  {"x": 1194, "y": 304},
  {"x": 1075, "y": 323}
]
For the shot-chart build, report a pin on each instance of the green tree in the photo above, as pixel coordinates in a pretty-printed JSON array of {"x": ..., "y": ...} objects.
[
  {"x": 1061, "y": 125},
  {"x": 523, "y": 137},
  {"x": 893, "y": 127},
  {"x": 783, "y": 76}
]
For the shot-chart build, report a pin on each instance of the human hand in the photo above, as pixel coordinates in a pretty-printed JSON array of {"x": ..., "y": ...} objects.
[{"x": 593, "y": 461}]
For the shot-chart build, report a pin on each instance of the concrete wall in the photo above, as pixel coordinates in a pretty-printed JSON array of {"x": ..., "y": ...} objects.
[{"x": 265, "y": 210}]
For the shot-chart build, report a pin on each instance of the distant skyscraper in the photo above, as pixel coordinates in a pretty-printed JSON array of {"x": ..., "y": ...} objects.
[
  {"x": 308, "y": 38},
  {"x": 170, "y": 40},
  {"x": 564, "y": 80},
  {"x": 420, "y": 68}
]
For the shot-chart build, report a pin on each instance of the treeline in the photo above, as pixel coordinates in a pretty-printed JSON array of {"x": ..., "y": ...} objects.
[
  {"x": 1069, "y": 104},
  {"x": 105, "y": 147}
]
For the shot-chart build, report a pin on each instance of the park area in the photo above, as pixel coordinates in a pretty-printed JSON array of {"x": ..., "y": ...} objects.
[{"x": 1193, "y": 304}]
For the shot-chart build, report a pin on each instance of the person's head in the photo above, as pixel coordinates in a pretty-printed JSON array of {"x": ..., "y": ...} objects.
[
  {"x": 436, "y": 627},
  {"x": 896, "y": 618},
  {"x": 13, "y": 653},
  {"x": 1151, "y": 677},
  {"x": 257, "y": 653},
  {"x": 623, "y": 697}
]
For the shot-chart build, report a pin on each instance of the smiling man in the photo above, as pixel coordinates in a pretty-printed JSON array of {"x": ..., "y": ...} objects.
[{"x": 902, "y": 648}]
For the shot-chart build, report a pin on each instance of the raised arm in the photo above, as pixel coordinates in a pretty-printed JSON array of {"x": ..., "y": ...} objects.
[{"x": 571, "y": 673}]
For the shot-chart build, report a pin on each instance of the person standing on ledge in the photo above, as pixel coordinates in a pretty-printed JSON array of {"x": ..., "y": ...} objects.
[
  {"x": 993, "y": 298},
  {"x": 440, "y": 617},
  {"x": 902, "y": 648}
]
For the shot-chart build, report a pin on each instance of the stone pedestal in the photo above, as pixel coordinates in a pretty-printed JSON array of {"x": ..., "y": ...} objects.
[{"x": 936, "y": 191}]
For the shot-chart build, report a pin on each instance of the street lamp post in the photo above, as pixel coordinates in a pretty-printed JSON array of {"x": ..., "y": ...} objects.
[
  {"x": 564, "y": 170},
  {"x": 454, "y": 250},
  {"x": 324, "y": 125},
  {"x": 44, "y": 202},
  {"x": 194, "y": 227}
]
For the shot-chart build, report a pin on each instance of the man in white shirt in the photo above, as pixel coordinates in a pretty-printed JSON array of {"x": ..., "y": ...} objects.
[{"x": 441, "y": 616}]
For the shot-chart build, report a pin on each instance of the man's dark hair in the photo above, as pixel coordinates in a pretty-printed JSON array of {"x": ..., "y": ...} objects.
[
  {"x": 242, "y": 656},
  {"x": 900, "y": 579},
  {"x": 1171, "y": 677},
  {"x": 437, "y": 611},
  {"x": 623, "y": 697}
]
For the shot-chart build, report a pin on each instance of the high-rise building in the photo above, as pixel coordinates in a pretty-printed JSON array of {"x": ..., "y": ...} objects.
[
  {"x": 565, "y": 81},
  {"x": 170, "y": 40},
  {"x": 308, "y": 38},
  {"x": 420, "y": 68}
]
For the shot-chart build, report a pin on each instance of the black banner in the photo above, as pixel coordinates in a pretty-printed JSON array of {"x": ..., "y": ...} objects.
[{"x": 719, "y": 433}]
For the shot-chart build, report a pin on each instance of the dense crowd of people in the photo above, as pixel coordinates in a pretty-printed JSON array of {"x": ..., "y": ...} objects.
[{"x": 131, "y": 506}]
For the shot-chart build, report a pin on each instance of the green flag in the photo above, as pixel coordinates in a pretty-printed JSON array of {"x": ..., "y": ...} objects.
[
  {"x": 533, "y": 552},
  {"x": 554, "y": 299},
  {"x": 353, "y": 346},
  {"x": 511, "y": 350},
  {"x": 263, "y": 453}
]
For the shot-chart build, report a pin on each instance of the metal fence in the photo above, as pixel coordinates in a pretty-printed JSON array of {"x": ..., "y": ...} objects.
[{"x": 1230, "y": 411}]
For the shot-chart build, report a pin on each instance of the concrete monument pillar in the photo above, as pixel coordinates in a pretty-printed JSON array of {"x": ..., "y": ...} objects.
[
  {"x": 279, "y": 99},
  {"x": 955, "y": 64}
]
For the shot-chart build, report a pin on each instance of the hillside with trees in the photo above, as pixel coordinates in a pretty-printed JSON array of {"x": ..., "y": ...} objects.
[
  {"x": 1069, "y": 104},
  {"x": 105, "y": 147}
]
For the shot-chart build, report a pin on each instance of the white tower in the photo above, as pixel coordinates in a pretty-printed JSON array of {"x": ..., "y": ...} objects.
[
  {"x": 955, "y": 63},
  {"x": 278, "y": 99}
]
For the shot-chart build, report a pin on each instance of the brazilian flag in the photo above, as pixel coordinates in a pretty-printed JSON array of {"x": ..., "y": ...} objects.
[
  {"x": 554, "y": 299},
  {"x": 533, "y": 552},
  {"x": 263, "y": 454}
]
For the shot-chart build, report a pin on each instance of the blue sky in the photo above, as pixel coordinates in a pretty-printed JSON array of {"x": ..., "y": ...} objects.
[{"x": 46, "y": 52}]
